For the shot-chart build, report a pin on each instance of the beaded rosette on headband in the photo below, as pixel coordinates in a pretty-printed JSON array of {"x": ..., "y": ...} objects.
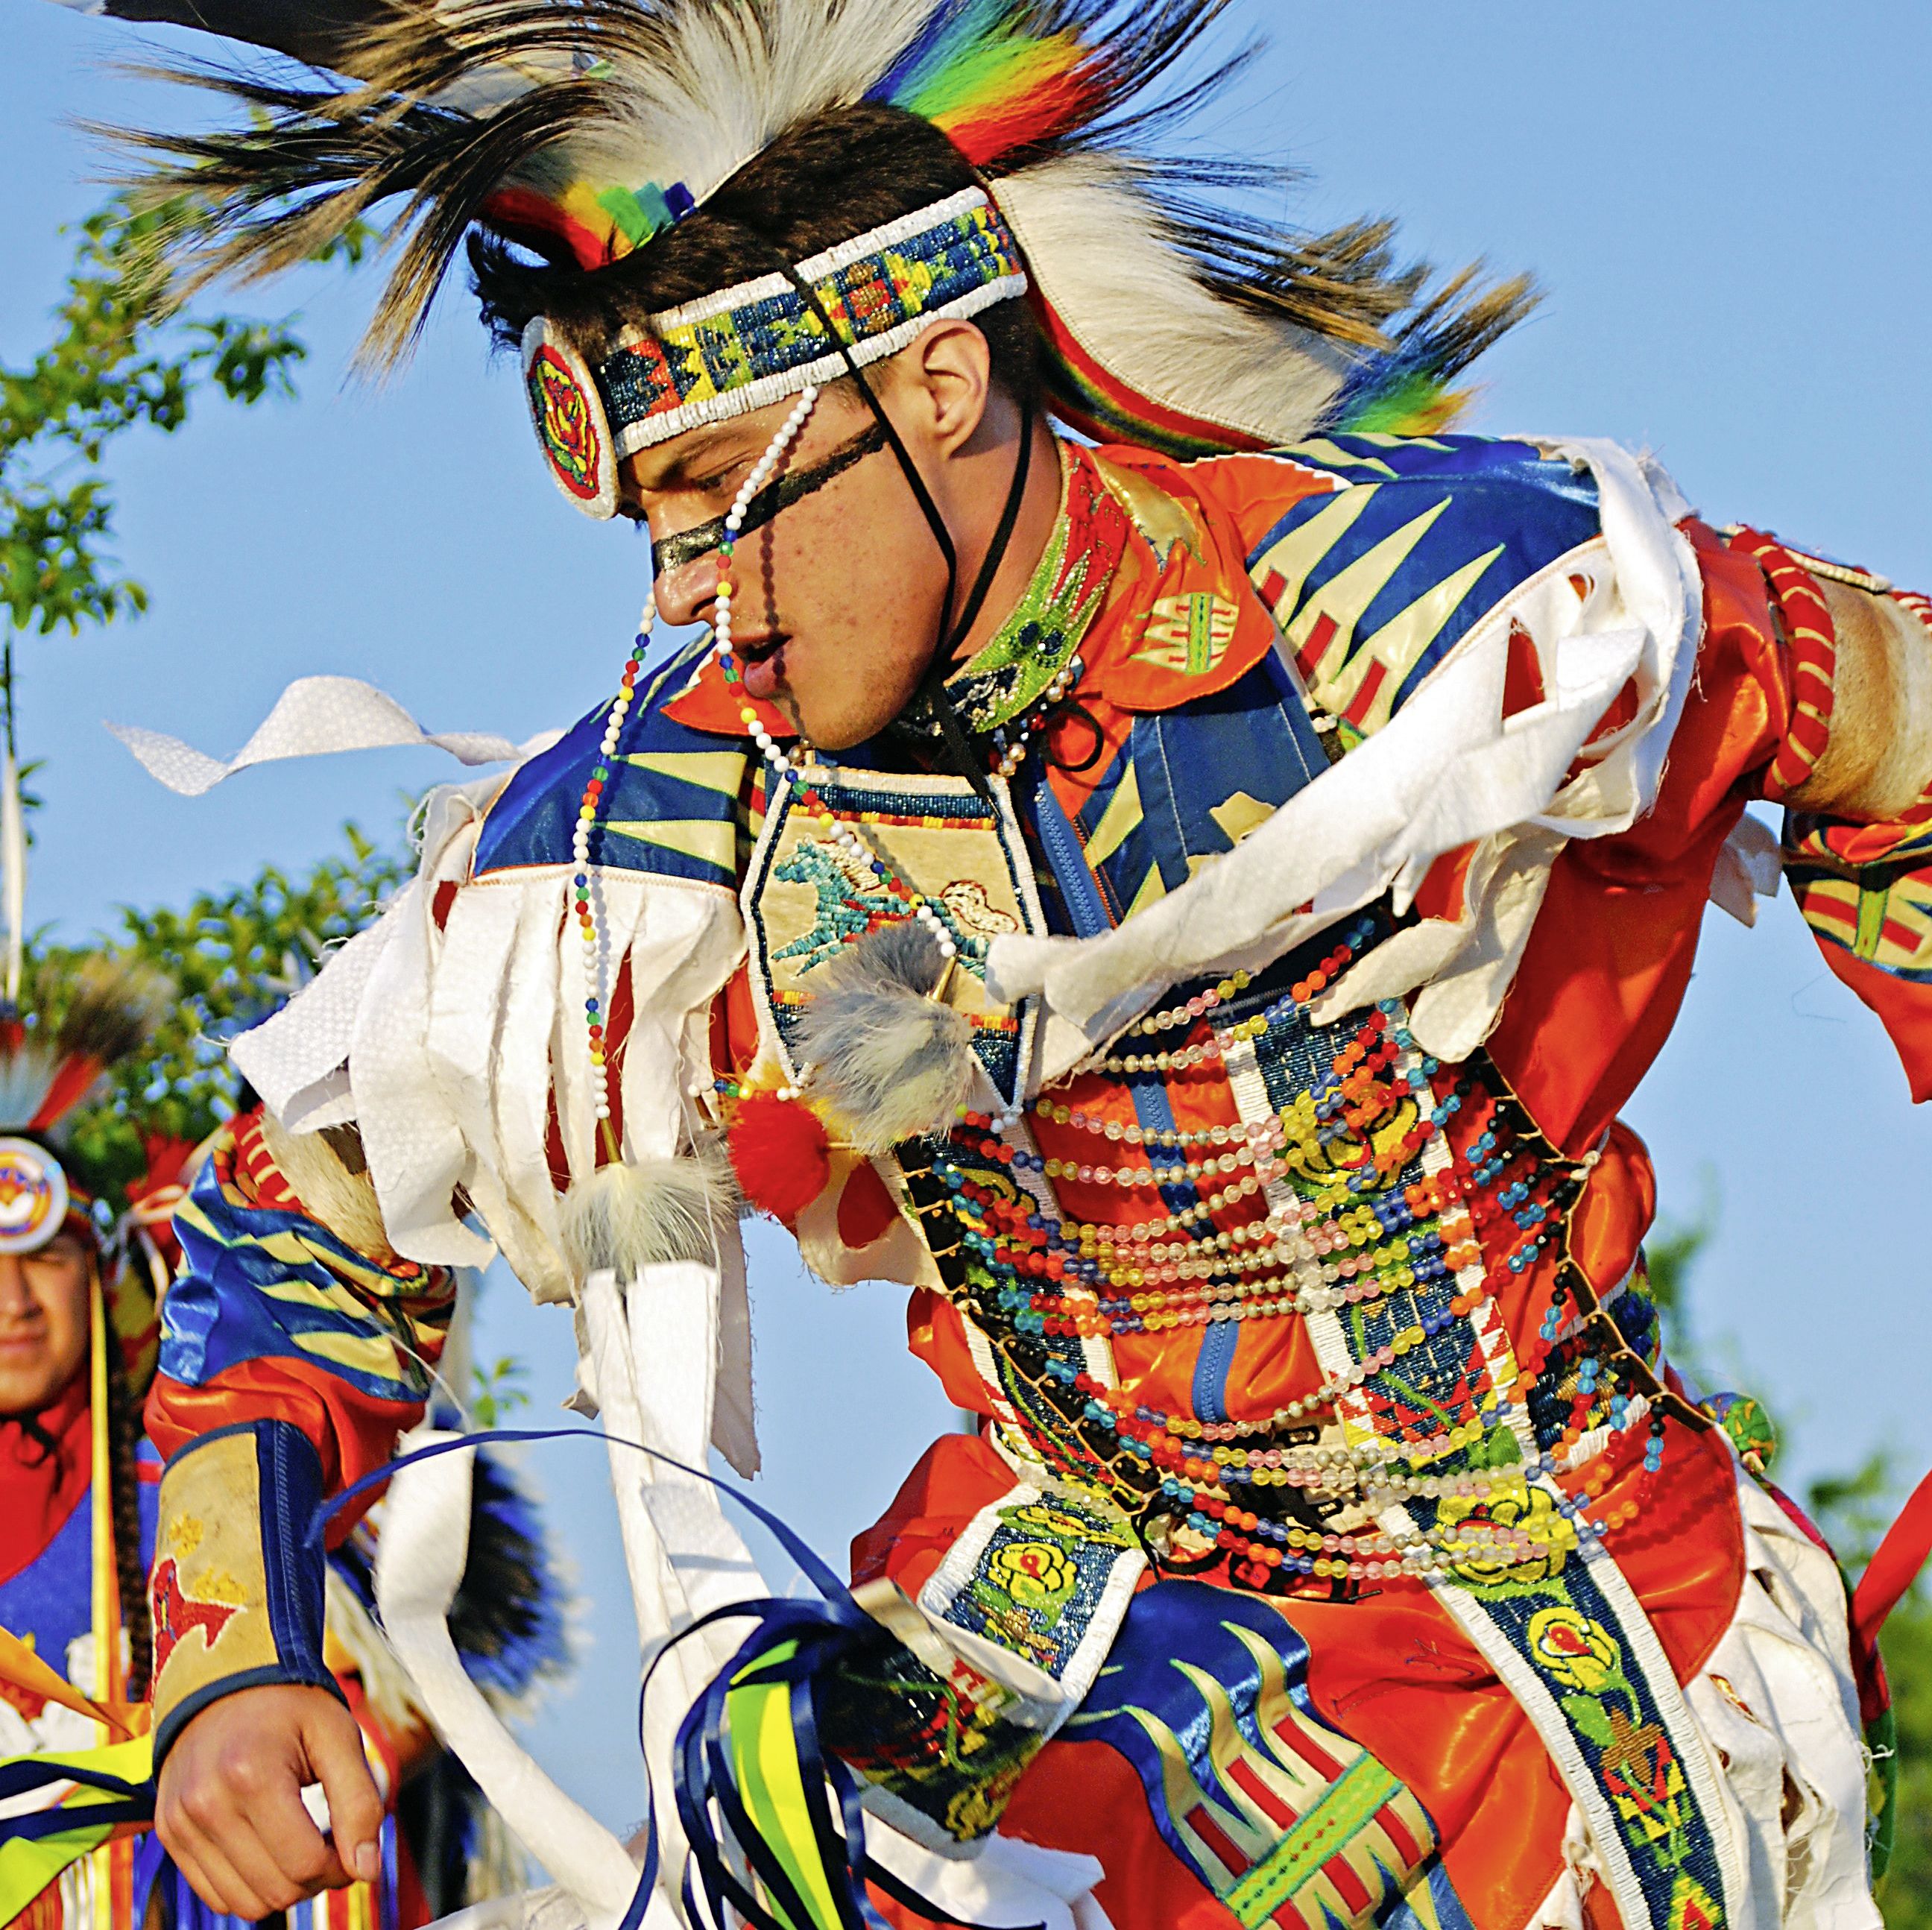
[
  {"x": 761, "y": 342},
  {"x": 34, "y": 1195}
]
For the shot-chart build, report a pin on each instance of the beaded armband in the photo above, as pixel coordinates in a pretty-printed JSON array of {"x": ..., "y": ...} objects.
[
  {"x": 237, "y": 1585},
  {"x": 942, "y": 1714}
]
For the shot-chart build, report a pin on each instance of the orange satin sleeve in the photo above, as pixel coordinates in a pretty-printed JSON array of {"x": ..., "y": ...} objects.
[
  {"x": 353, "y": 1434},
  {"x": 1614, "y": 1212},
  {"x": 956, "y": 1477},
  {"x": 936, "y": 1334},
  {"x": 1254, "y": 491},
  {"x": 1607, "y": 962}
]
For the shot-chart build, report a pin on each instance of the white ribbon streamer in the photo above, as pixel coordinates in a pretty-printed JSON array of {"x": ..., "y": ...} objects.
[
  {"x": 313, "y": 717},
  {"x": 419, "y": 1562}
]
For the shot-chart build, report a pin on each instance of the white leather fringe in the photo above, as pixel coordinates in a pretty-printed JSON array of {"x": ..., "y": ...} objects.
[{"x": 443, "y": 1041}]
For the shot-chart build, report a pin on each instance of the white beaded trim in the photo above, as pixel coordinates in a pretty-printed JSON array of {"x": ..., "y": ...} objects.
[
  {"x": 788, "y": 432},
  {"x": 827, "y": 368}
]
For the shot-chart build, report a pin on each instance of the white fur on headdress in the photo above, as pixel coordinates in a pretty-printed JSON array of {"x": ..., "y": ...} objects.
[{"x": 1129, "y": 297}]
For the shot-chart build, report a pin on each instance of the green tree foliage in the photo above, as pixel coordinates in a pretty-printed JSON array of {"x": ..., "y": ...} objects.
[
  {"x": 123, "y": 354},
  {"x": 122, "y": 357},
  {"x": 499, "y": 1391},
  {"x": 1906, "y": 1897},
  {"x": 1670, "y": 1255}
]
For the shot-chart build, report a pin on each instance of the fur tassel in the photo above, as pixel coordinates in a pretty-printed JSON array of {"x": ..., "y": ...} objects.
[
  {"x": 627, "y": 1217},
  {"x": 780, "y": 1151},
  {"x": 891, "y": 1062},
  {"x": 343, "y": 1202}
]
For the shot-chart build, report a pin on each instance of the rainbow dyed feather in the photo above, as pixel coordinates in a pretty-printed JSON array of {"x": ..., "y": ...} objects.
[
  {"x": 977, "y": 73},
  {"x": 1406, "y": 390}
]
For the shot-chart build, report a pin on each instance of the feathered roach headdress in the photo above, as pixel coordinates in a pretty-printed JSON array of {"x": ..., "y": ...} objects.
[{"x": 594, "y": 125}]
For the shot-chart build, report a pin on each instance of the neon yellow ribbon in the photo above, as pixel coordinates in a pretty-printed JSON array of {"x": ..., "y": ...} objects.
[
  {"x": 27, "y": 1866},
  {"x": 771, "y": 1784}
]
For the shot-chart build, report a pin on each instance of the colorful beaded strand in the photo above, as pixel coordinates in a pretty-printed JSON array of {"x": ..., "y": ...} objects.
[
  {"x": 589, "y": 929},
  {"x": 594, "y": 961}
]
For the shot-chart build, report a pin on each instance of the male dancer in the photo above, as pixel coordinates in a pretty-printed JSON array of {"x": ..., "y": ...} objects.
[{"x": 1191, "y": 909}]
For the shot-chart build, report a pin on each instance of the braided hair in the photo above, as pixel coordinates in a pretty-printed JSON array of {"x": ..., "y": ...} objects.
[{"x": 123, "y": 1441}]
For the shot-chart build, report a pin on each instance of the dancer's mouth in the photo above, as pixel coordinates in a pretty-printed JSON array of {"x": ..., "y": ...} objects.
[{"x": 763, "y": 659}]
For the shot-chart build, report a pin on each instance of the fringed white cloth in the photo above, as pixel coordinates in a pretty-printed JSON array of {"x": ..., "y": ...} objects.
[
  {"x": 1449, "y": 771},
  {"x": 1779, "y": 1711},
  {"x": 443, "y": 1037}
]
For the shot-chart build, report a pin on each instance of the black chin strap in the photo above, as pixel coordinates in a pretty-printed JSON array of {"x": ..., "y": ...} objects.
[
  {"x": 932, "y": 690},
  {"x": 996, "y": 551}
]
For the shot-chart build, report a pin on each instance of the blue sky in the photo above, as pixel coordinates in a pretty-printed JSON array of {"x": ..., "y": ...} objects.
[{"x": 1727, "y": 204}]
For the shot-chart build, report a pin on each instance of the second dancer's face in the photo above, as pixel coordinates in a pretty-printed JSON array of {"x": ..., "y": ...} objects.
[
  {"x": 43, "y": 1322},
  {"x": 837, "y": 601}
]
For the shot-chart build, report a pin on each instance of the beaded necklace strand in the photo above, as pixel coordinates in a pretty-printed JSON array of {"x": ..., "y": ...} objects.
[{"x": 1036, "y": 1251}]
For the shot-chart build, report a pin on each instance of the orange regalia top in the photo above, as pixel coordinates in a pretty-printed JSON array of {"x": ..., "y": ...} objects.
[{"x": 1327, "y": 1464}]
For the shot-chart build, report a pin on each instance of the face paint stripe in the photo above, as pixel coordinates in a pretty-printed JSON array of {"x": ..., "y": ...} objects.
[{"x": 687, "y": 546}]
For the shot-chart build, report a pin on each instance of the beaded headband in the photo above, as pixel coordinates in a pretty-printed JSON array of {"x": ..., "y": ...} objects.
[{"x": 760, "y": 342}]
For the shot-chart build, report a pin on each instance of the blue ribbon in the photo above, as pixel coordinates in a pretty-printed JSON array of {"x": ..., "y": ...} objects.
[
  {"x": 31, "y": 1772},
  {"x": 702, "y": 1771}
]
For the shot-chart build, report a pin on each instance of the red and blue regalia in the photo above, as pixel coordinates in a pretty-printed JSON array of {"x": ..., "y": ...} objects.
[{"x": 1212, "y": 999}]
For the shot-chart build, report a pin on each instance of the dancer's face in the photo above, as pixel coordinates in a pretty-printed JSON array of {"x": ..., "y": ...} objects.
[
  {"x": 836, "y": 601},
  {"x": 43, "y": 1322}
]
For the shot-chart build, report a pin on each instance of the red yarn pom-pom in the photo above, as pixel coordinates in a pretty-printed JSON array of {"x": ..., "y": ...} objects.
[{"x": 780, "y": 1153}]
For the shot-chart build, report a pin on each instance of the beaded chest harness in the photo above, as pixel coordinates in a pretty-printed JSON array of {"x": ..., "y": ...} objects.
[
  {"x": 1342, "y": 1199},
  {"x": 1338, "y": 1201}
]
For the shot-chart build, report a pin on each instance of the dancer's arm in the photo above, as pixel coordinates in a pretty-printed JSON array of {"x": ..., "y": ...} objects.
[{"x": 294, "y": 1348}]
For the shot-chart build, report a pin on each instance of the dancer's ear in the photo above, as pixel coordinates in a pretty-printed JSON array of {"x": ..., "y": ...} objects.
[{"x": 943, "y": 383}]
